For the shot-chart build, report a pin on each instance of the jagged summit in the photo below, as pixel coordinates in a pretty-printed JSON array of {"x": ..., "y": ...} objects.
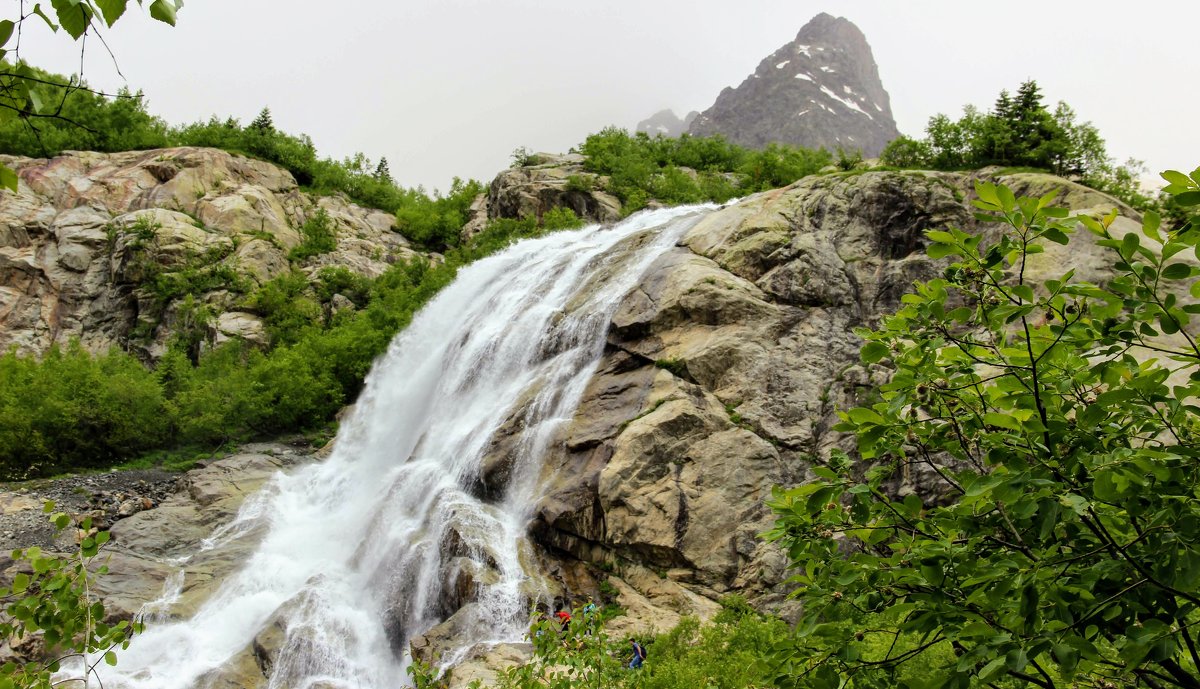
[
  {"x": 667, "y": 123},
  {"x": 821, "y": 89}
]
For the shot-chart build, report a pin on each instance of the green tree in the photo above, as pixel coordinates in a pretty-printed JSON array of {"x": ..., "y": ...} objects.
[
  {"x": 263, "y": 122},
  {"x": 905, "y": 152},
  {"x": 1053, "y": 539},
  {"x": 382, "y": 172},
  {"x": 22, "y": 87}
]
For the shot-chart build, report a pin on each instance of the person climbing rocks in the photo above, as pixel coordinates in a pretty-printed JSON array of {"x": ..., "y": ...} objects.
[
  {"x": 564, "y": 619},
  {"x": 639, "y": 654},
  {"x": 591, "y": 614},
  {"x": 539, "y": 618}
]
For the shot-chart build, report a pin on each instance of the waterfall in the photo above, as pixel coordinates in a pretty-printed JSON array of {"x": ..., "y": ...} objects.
[{"x": 354, "y": 554}]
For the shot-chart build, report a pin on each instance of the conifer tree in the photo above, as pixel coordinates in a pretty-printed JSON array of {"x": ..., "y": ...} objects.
[
  {"x": 263, "y": 122},
  {"x": 382, "y": 173}
]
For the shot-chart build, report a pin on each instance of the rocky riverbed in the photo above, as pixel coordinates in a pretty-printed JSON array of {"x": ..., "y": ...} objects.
[{"x": 104, "y": 497}]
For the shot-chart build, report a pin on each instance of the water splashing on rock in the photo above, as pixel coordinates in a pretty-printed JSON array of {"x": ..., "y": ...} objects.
[{"x": 403, "y": 525}]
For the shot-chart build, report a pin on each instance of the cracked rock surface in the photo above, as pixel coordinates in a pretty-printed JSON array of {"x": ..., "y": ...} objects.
[{"x": 727, "y": 364}]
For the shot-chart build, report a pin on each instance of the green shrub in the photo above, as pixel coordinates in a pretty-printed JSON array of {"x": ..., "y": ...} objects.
[
  {"x": 287, "y": 309},
  {"x": 333, "y": 280},
  {"x": 1061, "y": 545},
  {"x": 561, "y": 218},
  {"x": 317, "y": 237},
  {"x": 678, "y": 367},
  {"x": 640, "y": 167},
  {"x": 73, "y": 409},
  {"x": 848, "y": 160},
  {"x": 581, "y": 183}
]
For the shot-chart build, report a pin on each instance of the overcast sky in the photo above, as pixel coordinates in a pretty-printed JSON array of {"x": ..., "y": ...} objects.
[{"x": 451, "y": 87}]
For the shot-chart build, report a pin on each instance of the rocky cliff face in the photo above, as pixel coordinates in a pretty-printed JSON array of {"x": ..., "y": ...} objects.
[
  {"x": 822, "y": 89},
  {"x": 99, "y": 246},
  {"x": 726, "y": 366}
]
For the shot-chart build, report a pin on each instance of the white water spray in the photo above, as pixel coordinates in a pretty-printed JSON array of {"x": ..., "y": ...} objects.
[{"x": 357, "y": 552}]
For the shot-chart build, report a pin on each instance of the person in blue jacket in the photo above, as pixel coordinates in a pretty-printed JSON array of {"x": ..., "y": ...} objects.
[{"x": 639, "y": 655}]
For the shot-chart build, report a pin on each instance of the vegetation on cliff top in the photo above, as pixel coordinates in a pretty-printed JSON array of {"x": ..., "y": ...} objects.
[
  {"x": 692, "y": 169},
  {"x": 1019, "y": 131}
]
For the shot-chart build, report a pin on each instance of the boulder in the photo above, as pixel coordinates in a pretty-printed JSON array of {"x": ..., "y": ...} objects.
[
  {"x": 238, "y": 325},
  {"x": 545, "y": 183}
]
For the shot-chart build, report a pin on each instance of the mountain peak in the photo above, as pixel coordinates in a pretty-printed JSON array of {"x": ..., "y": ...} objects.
[{"x": 821, "y": 89}]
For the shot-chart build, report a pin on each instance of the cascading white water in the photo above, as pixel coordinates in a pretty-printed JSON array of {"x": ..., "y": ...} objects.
[{"x": 354, "y": 551}]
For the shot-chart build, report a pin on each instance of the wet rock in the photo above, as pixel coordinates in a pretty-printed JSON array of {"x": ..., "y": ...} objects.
[{"x": 727, "y": 363}]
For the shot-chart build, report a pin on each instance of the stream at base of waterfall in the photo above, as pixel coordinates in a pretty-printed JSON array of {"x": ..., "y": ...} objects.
[{"x": 350, "y": 555}]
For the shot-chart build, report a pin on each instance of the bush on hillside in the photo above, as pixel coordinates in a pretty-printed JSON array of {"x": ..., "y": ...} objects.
[{"x": 640, "y": 167}]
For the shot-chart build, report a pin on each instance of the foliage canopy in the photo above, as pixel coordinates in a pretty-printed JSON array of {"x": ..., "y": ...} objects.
[{"x": 1020, "y": 131}]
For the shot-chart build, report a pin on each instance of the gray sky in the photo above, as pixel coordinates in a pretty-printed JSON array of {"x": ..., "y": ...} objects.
[{"x": 451, "y": 87}]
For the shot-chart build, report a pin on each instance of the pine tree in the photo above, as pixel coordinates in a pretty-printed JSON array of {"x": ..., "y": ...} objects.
[
  {"x": 382, "y": 172},
  {"x": 1004, "y": 106},
  {"x": 263, "y": 122}
]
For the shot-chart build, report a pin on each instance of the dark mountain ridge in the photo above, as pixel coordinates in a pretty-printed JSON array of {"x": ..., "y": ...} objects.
[{"x": 821, "y": 89}]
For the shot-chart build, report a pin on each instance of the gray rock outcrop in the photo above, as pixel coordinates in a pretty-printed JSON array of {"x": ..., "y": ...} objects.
[
  {"x": 666, "y": 123},
  {"x": 821, "y": 89},
  {"x": 101, "y": 247},
  {"x": 545, "y": 182},
  {"x": 727, "y": 364}
]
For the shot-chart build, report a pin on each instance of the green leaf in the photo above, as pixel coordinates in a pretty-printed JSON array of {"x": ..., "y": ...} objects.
[
  {"x": 1091, "y": 224},
  {"x": 37, "y": 9},
  {"x": 1129, "y": 245},
  {"x": 987, "y": 193},
  {"x": 863, "y": 415},
  {"x": 873, "y": 352},
  {"x": 1150, "y": 224},
  {"x": 73, "y": 15},
  {"x": 1007, "y": 199},
  {"x": 164, "y": 11},
  {"x": 111, "y": 9},
  {"x": 940, "y": 236},
  {"x": 1001, "y": 420},
  {"x": 1167, "y": 324},
  {"x": 1188, "y": 198},
  {"x": 1177, "y": 271},
  {"x": 993, "y": 668},
  {"x": 8, "y": 178},
  {"x": 6, "y": 30},
  {"x": 962, "y": 314},
  {"x": 110, "y": 658},
  {"x": 941, "y": 250},
  {"x": 1057, "y": 236},
  {"x": 1176, "y": 177}
]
